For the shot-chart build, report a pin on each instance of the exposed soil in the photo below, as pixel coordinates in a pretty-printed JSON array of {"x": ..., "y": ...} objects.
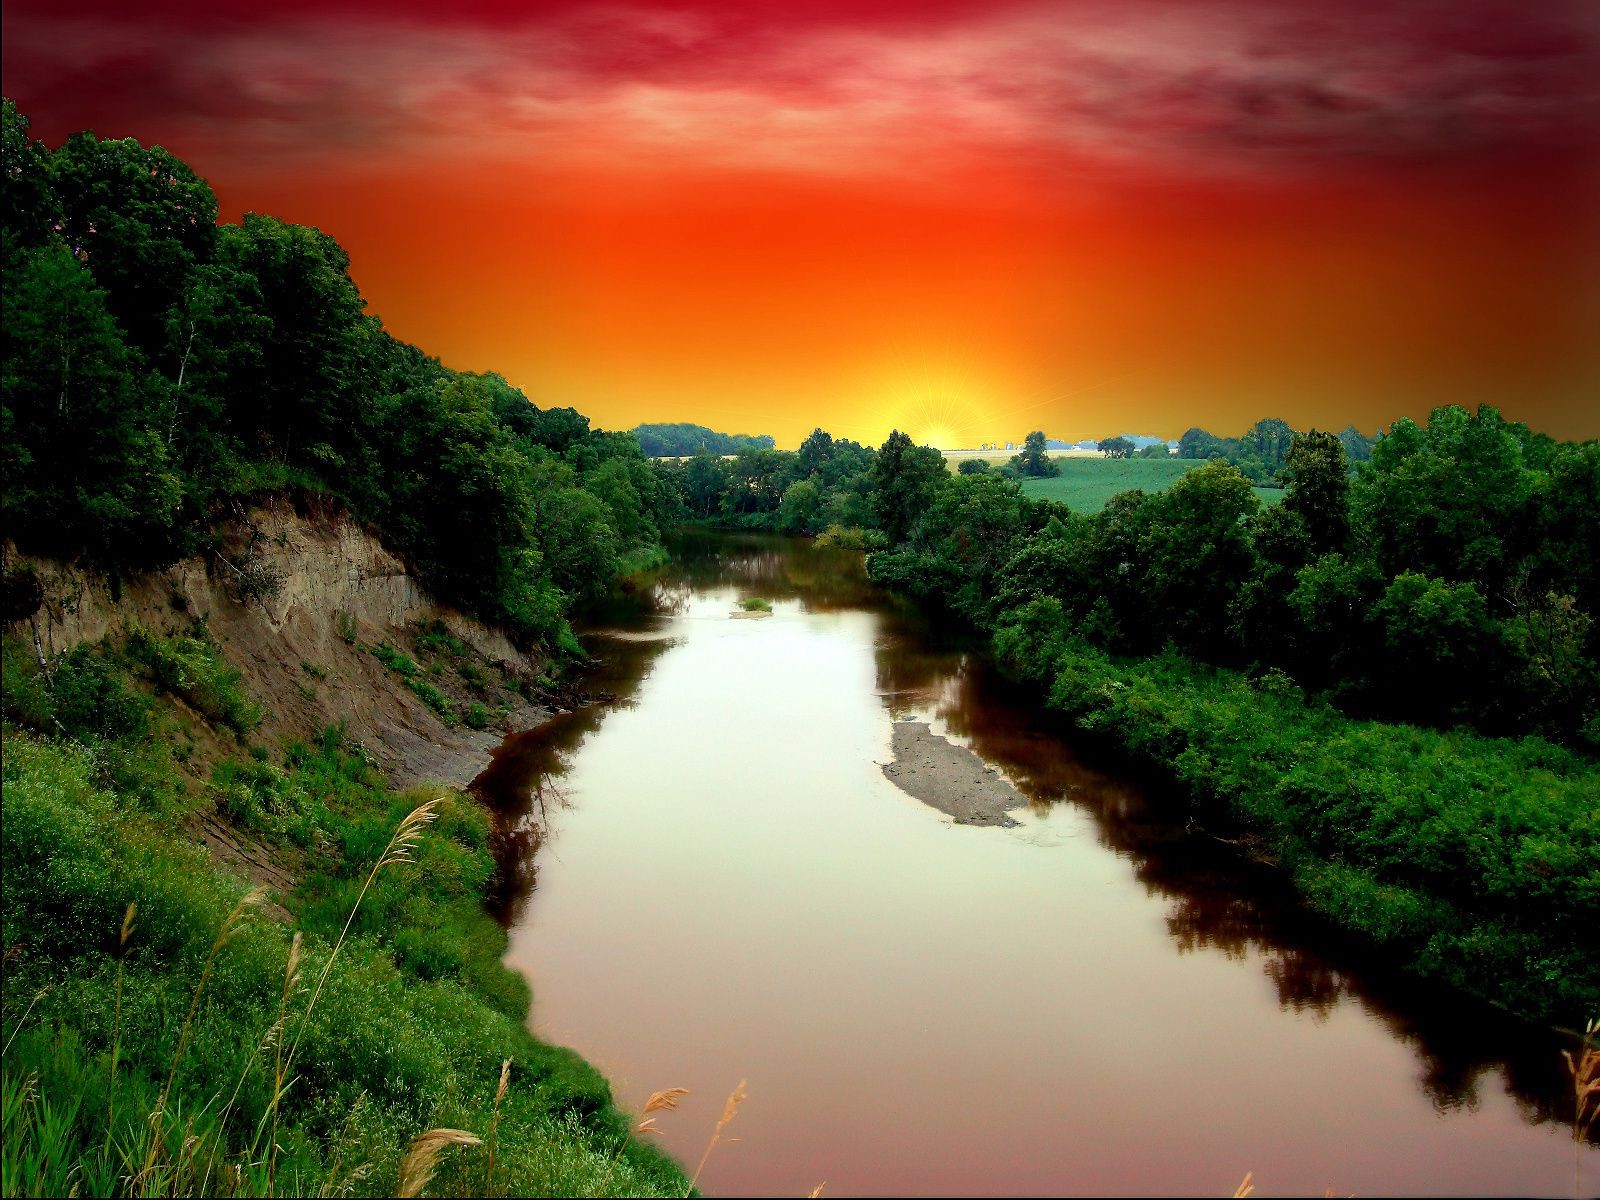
[
  {"x": 305, "y": 652},
  {"x": 950, "y": 778}
]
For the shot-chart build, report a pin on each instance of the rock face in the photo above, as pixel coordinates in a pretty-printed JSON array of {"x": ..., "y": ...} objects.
[
  {"x": 949, "y": 777},
  {"x": 300, "y": 646}
]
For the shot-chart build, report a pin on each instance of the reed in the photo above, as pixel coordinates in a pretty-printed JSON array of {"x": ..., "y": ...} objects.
[
  {"x": 401, "y": 849},
  {"x": 422, "y": 1159},
  {"x": 729, "y": 1111},
  {"x": 494, "y": 1123},
  {"x": 231, "y": 924},
  {"x": 1584, "y": 1069},
  {"x": 116, "y": 1023}
]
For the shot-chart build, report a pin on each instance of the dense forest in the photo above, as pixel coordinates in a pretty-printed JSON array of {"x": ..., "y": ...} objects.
[
  {"x": 680, "y": 441},
  {"x": 162, "y": 370}
]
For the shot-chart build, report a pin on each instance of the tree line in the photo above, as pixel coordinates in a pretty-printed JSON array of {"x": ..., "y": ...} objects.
[
  {"x": 682, "y": 440},
  {"x": 1262, "y": 453},
  {"x": 1451, "y": 578},
  {"x": 163, "y": 370}
]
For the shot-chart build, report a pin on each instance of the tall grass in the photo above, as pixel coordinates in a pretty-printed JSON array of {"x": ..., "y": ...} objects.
[
  {"x": 1584, "y": 1069},
  {"x": 293, "y": 1114}
]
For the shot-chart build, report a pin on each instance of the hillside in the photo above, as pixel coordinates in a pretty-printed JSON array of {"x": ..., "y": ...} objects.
[{"x": 275, "y": 583}]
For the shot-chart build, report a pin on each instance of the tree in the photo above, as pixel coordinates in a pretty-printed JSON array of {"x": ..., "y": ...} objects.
[
  {"x": 703, "y": 481},
  {"x": 801, "y": 507},
  {"x": 141, "y": 219},
  {"x": 1197, "y": 443},
  {"x": 85, "y": 467},
  {"x": 27, "y": 205},
  {"x": 906, "y": 477},
  {"x": 1032, "y": 462},
  {"x": 1452, "y": 500},
  {"x": 1357, "y": 448},
  {"x": 1195, "y": 551},
  {"x": 815, "y": 451},
  {"x": 972, "y": 466},
  {"x": 1319, "y": 490},
  {"x": 1116, "y": 447},
  {"x": 1269, "y": 439}
]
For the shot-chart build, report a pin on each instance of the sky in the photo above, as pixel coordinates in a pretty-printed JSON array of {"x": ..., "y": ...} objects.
[{"x": 966, "y": 220}]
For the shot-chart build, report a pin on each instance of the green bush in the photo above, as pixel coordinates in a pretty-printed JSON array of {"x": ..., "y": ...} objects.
[
  {"x": 191, "y": 668},
  {"x": 1475, "y": 860}
]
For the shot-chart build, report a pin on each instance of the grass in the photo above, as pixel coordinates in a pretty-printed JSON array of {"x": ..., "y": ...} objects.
[
  {"x": 1086, "y": 484},
  {"x": 163, "y": 1035},
  {"x": 755, "y": 604}
]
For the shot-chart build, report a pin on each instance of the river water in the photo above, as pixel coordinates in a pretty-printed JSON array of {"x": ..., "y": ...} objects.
[{"x": 1097, "y": 1000}]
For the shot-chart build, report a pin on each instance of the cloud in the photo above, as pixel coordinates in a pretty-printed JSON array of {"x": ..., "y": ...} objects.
[{"x": 1242, "y": 87}]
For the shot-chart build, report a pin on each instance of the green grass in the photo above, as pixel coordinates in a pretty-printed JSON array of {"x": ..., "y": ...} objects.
[
  {"x": 1086, "y": 484},
  {"x": 408, "y": 1032},
  {"x": 755, "y": 604}
]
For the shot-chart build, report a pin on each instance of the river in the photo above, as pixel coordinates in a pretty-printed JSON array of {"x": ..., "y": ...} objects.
[{"x": 714, "y": 881}]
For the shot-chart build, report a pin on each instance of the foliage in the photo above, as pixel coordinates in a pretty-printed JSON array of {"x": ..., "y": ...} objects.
[
  {"x": 1473, "y": 860},
  {"x": 160, "y": 371},
  {"x": 906, "y": 478},
  {"x": 1031, "y": 462},
  {"x": 1261, "y": 453},
  {"x": 407, "y": 1032},
  {"x": 684, "y": 441}
]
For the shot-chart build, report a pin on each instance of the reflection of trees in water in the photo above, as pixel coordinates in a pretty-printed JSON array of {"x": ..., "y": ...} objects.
[
  {"x": 1217, "y": 900},
  {"x": 522, "y": 783},
  {"x": 773, "y": 567}
]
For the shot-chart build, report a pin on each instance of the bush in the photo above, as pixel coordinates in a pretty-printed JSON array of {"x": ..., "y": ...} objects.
[{"x": 190, "y": 667}]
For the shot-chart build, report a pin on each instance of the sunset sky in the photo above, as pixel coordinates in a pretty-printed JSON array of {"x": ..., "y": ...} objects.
[{"x": 966, "y": 219}]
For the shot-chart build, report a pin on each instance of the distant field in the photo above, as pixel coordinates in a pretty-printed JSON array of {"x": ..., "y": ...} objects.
[{"x": 1085, "y": 484}]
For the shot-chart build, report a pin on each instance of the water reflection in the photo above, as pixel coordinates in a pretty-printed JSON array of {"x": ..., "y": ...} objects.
[{"x": 1216, "y": 900}]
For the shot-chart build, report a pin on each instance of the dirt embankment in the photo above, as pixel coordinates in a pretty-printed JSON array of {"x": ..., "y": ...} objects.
[
  {"x": 303, "y": 648},
  {"x": 949, "y": 777}
]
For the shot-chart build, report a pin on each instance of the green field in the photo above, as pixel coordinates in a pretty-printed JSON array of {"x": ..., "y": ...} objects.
[{"x": 1085, "y": 484}]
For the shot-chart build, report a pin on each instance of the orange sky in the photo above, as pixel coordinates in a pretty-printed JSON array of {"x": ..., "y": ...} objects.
[{"x": 965, "y": 220}]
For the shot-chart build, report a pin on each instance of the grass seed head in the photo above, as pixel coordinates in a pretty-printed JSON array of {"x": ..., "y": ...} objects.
[
  {"x": 667, "y": 1098},
  {"x": 422, "y": 1159}
]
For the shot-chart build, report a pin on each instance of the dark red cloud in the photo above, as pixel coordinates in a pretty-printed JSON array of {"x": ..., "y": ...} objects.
[{"x": 1203, "y": 87}]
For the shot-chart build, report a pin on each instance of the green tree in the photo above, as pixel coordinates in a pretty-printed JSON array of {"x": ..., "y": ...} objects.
[
  {"x": 28, "y": 208},
  {"x": 1032, "y": 462},
  {"x": 704, "y": 479},
  {"x": 972, "y": 466},
  {"x": 905, "y": 478},
  {"x": 801, "y": 508},
  {"x": 1319, "y": 489},
  {"x": 815, "y": 451},
  {"x": 1195, "y": 553},
  {"x": 141, "y": 219},
  {"x": 1116, "y": 447},
  {"x": 85, "y": 467},
  {"x": 1452, "y": 500}
]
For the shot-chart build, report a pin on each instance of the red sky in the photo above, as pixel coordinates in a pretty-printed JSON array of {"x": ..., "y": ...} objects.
[{"x": 966, "y": 219}]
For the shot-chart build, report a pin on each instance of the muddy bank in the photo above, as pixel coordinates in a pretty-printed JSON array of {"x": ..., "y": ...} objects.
[
  {"x": 949, "y": 777},
  {"x": 303, "y": 647}
]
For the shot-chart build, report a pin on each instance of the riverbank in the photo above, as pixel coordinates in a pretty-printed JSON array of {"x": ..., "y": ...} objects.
[
  {"x": 1470, "y": 860},
  {"x": 200, "y": 887}
]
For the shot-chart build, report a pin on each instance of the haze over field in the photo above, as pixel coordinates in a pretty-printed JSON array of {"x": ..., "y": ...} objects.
[{"x": 957, "y": 218}]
